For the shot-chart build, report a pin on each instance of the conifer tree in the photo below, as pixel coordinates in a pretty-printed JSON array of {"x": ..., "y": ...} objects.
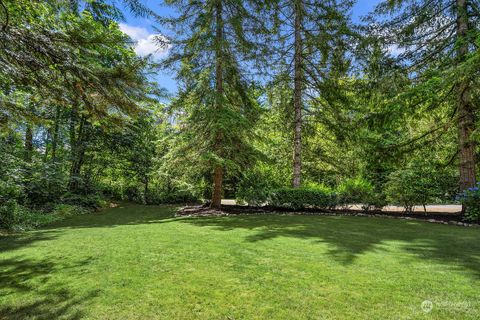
[
  {"x": 212, "y": 44},
  {"x": 438, "y": 45},
  {"x": 309, "y": 39}
]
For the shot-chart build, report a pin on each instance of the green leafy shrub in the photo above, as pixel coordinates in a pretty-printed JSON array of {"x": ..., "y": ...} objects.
[
  {"x": 113, "y": 191},
  {"x": 9, "y": 214},
  {"x": 471, "y": 199},
  {"x": 359, "y": 191},
  {"x": 298, "y": 198},
  {"x": 32, "y": 219},
  {"x": 18, "y": 218},
  {"x": 44, "y": 183},
  {"x": 409, "y": 187},
  {"x": 10, "y": 190},
  {"x": 66, "y": 210},
  {"x": 254, "y": 189},
  {"x": 91, "y": 201},
  {"x": 134, "y": 194},
  {"x": 11, "y": 176}
]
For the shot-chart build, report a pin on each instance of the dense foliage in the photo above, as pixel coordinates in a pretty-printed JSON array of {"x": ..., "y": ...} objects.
[
  {"x": 77, "y": 111},
  {"x": 298, "y": 198},
  {"x": 271, "y": 95},
  {"x": 352, "y": 191},
  {"x": 471, "y": 199}
]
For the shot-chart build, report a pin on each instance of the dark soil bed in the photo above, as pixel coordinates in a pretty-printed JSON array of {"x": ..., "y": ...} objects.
[{"x": 435, "y": 217}]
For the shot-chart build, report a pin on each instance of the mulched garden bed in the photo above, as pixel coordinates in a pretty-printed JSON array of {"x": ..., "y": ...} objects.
[{"x": 226, "y": 210}]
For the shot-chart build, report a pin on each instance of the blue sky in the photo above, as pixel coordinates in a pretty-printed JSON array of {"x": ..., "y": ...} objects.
[{"x": 142, "y": 31}]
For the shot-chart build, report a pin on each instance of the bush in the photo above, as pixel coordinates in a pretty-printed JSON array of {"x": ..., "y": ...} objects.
[
  {"x": 134, "y": 194},
  {"x": 410, "y": 187},
  {"x": 299, "y": 198},
  {"x": 471, "y": 199},
  {"x": 359, "y": 191},
  {"x": 17, "y": 218},
  {"x": 91, "y": 201},
  {"x": 113, "y": 189},
  {"x": 10, "y": 190},
  {"x": 9, "y": 214},
  {"x": 254, "y": 189},
  {"x": 43, "y": 183},
  {"x": 32, "y": 219},
  {"x": 354, "y": 191},
  {"x": 66, "y": 210}
]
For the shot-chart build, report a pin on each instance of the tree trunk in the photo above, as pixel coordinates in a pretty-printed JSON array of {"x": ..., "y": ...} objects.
[
  {"x": 48, "y": 137},
  {"x": 297, "y": 96},
  {"x": 28, "y": 143},
  {"x": 78, "y": 155},
  {"x": 217, "y": 187},
  {"x": 145, "y": 189},
  {"x": 55, "y": 134},
  {"x": 466, "y": 120},
  {"x": 218, "y": 170}
]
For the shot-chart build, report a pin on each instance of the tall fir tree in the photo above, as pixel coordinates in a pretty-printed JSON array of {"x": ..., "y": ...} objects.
[
  {"x": 297, "y": 89},
  {"x": 308, "y": 41},
  {"x": 437, "y": 42},
  {"x": 212, "y": 44}
]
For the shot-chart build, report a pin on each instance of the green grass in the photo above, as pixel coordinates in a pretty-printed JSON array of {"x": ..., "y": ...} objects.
[{"x": 139, "y": 262}]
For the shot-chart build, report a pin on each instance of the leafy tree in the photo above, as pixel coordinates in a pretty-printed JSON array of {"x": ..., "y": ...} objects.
[{"x": 68, "y": 79}]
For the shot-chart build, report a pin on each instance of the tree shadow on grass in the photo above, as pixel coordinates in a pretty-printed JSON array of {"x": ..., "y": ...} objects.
[
  {"x": 351, "y": 237},
  {"x": 29, "y": 279},
  {"x": 10, "y": 242}
]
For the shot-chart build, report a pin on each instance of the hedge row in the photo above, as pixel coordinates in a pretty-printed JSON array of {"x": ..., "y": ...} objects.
[
  {"x": 324, "y": 198},
  {"x": 301, "y": 198}
]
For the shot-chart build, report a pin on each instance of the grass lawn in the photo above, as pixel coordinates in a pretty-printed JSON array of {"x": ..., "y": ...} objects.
[{"x": 139, "y": 262}]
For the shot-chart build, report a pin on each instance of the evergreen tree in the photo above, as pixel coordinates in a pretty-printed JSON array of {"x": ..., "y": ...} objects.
[
  {"x": 438, "y": 42},
  {"x": 310, "y": 41},
  {"x": 212, "y": 43}
]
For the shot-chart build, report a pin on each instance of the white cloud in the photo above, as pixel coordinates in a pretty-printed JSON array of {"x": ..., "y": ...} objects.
[
  {"x": 133, "y": 32},
  {"x": 146, "y": 42}
]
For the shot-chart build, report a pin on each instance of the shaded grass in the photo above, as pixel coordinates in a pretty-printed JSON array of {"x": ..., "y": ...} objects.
[{"x": 139, "y": 262}]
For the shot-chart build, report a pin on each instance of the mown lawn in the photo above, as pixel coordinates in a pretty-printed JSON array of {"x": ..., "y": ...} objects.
[{"x": 139, "y": 262}]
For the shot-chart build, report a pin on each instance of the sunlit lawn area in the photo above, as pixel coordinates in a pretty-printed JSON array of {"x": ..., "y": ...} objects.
[{"x": 140, "y": 262}]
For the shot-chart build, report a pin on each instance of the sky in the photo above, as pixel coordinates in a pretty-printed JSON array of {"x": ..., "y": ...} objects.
[{"x": 142, "y": 30}]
